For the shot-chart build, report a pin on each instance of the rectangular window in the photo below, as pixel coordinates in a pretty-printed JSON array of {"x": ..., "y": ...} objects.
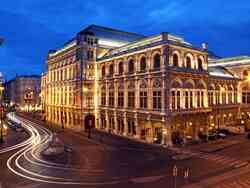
[
  {"x": 202, "y": 99},
  {"x": 217, "y": 97},
  {"x": 191, "y": 99},
  {"x": 120, "y": 99},
  {"x": 210, "y": 97},
  {"x": 173, "y": 99},
  {"x": 244, "y": 97},
  {"x": 157, "y": 100},
  {"x": 131, "y": 99},
  {"x": 178, "y": 99},
  {"x": 111, "y": 98},
  {"x": 198, "y": 99},
  {"x": 103, "y": 98},
  {"x": 143, "y": 99},
  {"x": 186, "y": 100},
  {"x": 248, "y": 97},
  {"x": 224, "y": 98}
]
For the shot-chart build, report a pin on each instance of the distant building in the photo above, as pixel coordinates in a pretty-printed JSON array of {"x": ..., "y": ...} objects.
[
  {"x": 1, "y": 87},
  {"x": 24, "y": 92}
]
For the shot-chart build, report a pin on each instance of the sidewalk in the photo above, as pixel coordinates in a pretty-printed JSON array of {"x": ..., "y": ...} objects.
[
  {"x": 13, "y": 138},
  {"x": 214, "y": 145}
]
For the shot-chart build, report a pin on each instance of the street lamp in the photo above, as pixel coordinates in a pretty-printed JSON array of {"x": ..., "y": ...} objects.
[{"x": 1, "y": 123}]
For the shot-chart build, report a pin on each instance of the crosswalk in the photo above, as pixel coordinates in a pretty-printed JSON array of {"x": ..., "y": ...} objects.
[{"x": 220, "y": 159}]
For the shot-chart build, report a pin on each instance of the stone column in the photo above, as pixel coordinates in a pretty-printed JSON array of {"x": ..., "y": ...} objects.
[
  {"x": 125, "y": 125},
  {"x": 138, "y": 129},
  {"x": 167, "y": 133},
  {"x": 116, "y": 123},
  {"x": 107, "y": 121}
]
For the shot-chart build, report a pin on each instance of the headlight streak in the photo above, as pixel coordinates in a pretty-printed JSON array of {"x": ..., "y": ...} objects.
[{"x": 33, "y": 146}]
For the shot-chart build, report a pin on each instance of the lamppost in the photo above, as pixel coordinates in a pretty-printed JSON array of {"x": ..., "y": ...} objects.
[{"x": 1, "y": 123}]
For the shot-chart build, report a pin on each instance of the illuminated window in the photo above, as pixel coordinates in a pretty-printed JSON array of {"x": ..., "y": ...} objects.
[
  {"x": 131, "y": 66},
  {"x": 157, "y": 61},
  {"x": 111, "y": 70},
  {"x": 131, "y": 99},
  {"x": 156, "y": 100},
  {"x": 200, "y": 68},
  {"x": 210, "y": 97},
  {"x": 120, "y": 99},
  {"x": 175, "y": 60},
  {"x": 188, "y": 62},
  {"x": 143, "y": 99},
  {"x": 103, "y": 71},
  {"x": 120, "y": 68},
  {"x": 186, "y": 99},
  {"x": 143, "y": 64},
  {"x": 103, "y": 98},
  {"x": 111, "y": 98},
  {"x": 173, "y": 100}
]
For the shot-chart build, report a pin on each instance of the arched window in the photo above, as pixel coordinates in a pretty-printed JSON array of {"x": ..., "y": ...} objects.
[
  {"x": 175, "y": 60},
  {"x": 131, "y": 66},
  {"x": 157, "y": 61},
  {"x": 200, "y": 68},
  {"x": 143, "y": 64},
  {"x": 188, "y": 62},
  {"x": 120, "y": 67},
  {"x": 103, "y": 71},
  {"x": 111, "y": 70}
]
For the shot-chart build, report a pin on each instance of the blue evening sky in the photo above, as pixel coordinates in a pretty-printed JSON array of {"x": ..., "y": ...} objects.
[{"x": 32, "y": 27}]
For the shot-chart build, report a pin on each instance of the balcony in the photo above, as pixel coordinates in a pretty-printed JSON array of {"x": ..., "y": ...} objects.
[
  {"x": 225, "y": 106},
  {"x": 175, "y": 112}
]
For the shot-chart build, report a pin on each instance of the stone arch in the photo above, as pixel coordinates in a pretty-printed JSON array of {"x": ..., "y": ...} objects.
[
  {"x": 120, "y": 67},
  {"x": 189, "y": 61},
  {"x": 201, "y": 84},
  {"x": 143, "y": 63},
  {"x": 156, "y": 60},
  {"x": 189, "y": 84},
  {"x": 211, "y": 86},
  {"x": 176, "y": 83},
  {"x": 200, "y": 63},
  {"x": 111, "y": 69},
  {"x": 131, "y": 65},
  {"x": 176, "y": 59}
]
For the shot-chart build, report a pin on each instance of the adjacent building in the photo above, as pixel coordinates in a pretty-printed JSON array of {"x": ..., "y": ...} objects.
[
  {"x": 153, "y": 88},
  {"x": 24, "y": 92},
  {"x": 1, "y": 88}
]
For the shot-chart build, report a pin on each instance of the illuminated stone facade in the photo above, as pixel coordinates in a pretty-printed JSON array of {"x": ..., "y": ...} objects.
[
  {"x": 148, "y": 88},
  {"x": 1, "y": 87},
  {"x": 24, "y": 92}
]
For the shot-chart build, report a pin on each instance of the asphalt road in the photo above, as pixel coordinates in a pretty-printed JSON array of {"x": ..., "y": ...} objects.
[{"x": 102, "y": 161}]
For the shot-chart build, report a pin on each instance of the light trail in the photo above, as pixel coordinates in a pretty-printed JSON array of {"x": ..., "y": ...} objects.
[{"x": 32, "y": 148}]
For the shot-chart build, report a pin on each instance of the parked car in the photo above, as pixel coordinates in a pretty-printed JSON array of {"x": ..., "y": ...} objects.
[
  {"x": 221, "y": 135},
  {"x": 224, "y": 131},
  {"x": 212, "y": 136}
]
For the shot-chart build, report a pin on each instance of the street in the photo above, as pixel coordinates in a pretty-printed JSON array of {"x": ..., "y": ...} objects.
[{"x": 108, "y": 161}]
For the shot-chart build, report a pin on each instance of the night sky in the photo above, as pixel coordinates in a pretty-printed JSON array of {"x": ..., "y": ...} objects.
[{"x": 32, "y": 27}]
